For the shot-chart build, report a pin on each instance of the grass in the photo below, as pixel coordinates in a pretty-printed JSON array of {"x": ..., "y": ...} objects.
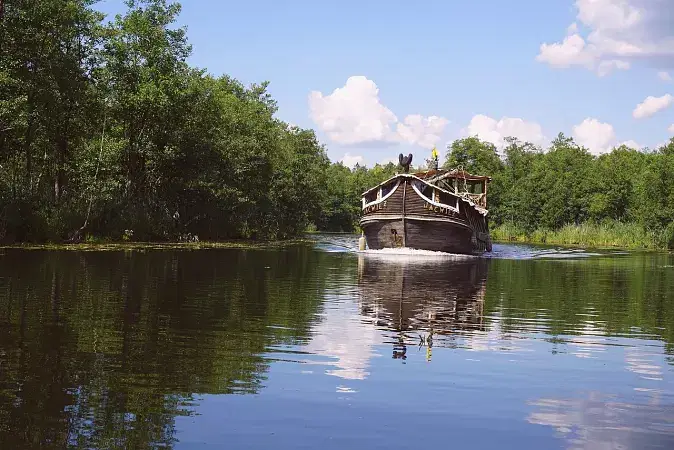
[{"x": 605, "y": 235}]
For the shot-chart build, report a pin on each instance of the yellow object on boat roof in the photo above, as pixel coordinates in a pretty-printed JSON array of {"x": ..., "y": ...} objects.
[{"x": 434, "y": 153}]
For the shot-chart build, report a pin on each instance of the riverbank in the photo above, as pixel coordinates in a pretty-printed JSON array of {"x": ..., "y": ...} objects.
[
  {"x": 143, "y": 246},
  {"x": 607, "y": 235}
]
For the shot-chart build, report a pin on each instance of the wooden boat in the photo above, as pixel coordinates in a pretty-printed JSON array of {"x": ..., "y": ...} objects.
[{"x": 437, "y": 209}]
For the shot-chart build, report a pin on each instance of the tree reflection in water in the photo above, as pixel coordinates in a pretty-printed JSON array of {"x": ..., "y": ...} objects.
[{"x": 105, "y": 349}]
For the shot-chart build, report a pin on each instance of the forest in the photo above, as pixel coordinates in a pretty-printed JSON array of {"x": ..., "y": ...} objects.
[
  {"x": 108, "y": 133},
  {"x": 564, "y": 194}
]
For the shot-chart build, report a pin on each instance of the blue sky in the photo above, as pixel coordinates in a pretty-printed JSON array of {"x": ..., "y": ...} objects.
[{"x": 454, "y": 60}]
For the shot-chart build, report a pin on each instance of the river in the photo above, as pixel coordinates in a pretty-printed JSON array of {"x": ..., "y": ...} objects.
[{"x": 317, "y": 346}]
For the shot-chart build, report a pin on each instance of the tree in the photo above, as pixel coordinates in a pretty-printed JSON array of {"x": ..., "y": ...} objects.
[{"x": 474, "y": 155}]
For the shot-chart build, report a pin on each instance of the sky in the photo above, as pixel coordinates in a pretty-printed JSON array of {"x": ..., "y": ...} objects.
[{"x": 378, "y": 78}]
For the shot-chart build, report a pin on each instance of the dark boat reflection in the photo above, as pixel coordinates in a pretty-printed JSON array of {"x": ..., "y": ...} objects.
[{"x": 420, "y": 298}]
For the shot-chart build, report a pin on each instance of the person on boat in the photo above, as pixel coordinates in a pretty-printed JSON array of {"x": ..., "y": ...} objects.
[{"x": 434, "y": 159}]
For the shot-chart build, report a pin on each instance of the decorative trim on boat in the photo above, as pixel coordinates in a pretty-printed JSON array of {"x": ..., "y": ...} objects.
[
  {"x": 434, "y": 203},
  {"x": 376, "y": 202}
]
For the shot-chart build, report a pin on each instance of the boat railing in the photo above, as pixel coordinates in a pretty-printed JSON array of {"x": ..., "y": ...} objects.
[
  {"x": 478, "y": 199},
  {"x": 438, "y": 196}
]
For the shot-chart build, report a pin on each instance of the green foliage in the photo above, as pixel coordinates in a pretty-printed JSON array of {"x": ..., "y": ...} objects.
[
  {"x": 106, "y": 131},
  {"x": 341, "y": 206},
  {"x": 474, "y": 156},
  {"x": 565, "y": 195},
  {"x": 604, "y": 235}
]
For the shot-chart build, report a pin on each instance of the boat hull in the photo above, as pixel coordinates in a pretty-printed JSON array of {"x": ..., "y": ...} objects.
[
  {"x": 406, "y": 218},
  {"x": 441, "y": 236}
]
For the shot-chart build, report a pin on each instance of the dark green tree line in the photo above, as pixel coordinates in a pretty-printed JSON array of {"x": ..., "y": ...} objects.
[
  {"x": 106, "y": 130},
  {"x": 565, "y": 184}
]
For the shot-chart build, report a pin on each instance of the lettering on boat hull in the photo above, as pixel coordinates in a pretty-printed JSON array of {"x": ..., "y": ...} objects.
[
  {"x": 374, "y": 208},
  {"x": 439, "y": 209}
]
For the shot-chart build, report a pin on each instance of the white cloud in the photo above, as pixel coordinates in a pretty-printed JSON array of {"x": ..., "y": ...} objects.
[
  {"x": 571, "y": 51},
  {"x": 658, "y": 146},
  {"x": 596, "y": 136},
  {"x": 385, "y": 161},
  {"x": 606, "y": 67},
  {"x": 671, "y": 128},
  {"x": 494, "y": 131},
  {"x": 351, "y": 160},
  {"x": 354, "y": 114},
  {"x": 422, "y": 131},
  {"x": 619, "y": 33},
  {"x": 652, "y": 105},
  {"x": 631, "y": 144},
  {"x": 664, "y": 76}
]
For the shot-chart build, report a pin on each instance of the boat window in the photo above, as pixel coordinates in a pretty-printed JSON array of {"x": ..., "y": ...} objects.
[
  {"x": 474, "y": 187},
  {"x": 426, "y": 190},
  {"x": 386, "y": 189},
  {"x": 445, "y": 198},
  {"x": 447, "y": 184},
  {"x": 371, "y": 196}
]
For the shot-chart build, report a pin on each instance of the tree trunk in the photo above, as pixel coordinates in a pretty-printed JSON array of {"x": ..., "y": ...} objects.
[
  {"x": 61, "y": 158},
  {"x": 28, "y": 142}
]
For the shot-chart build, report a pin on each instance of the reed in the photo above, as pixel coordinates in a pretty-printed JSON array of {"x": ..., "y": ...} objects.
[{"x": 597, "y": 235}]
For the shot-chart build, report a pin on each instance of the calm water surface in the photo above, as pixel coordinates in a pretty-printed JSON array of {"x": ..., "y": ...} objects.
[{"x": 319, "y": 347}]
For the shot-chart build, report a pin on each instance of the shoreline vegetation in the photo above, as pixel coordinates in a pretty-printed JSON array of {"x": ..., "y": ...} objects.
[
  {"x": 107, "y": 134},
  {"x": 627, "y": 236},
  {"x": 145, "y": 246},
  {"x": 588, "y": 236}
]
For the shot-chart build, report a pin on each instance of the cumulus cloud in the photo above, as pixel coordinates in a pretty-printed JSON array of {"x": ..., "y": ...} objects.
[
  {"x": 596, "y": 136},
  {"x": 350, "y": 160},
  {"x": 494, "y": 131},
  {"x": 386, "y": 161},
  {"x": 671, "y": 128},
  {"x": 631, "y": 144},
  {"x": 599, "y": 137},
  {"x": 664, "y": 76},
  {"x": 619, "y": 32},
  {"x": 354, "y": 114},
  {"x": 652, "y": 105},
  {"x": 422, "y": 131}
]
